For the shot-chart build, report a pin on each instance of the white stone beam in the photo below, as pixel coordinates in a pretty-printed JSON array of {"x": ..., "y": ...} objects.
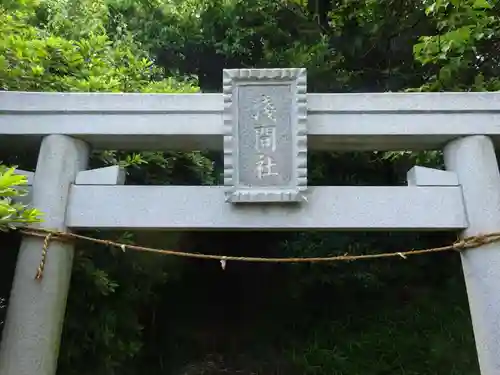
[
  {"x": 113, "y": 175},
  {"x": 203, "y": 207},
  {"x": 380, "y": 121},
  {"x": 422, "y": 176}
]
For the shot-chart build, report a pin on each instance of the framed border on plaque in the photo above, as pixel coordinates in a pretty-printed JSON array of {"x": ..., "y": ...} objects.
[{"x": 265, "y": 135}]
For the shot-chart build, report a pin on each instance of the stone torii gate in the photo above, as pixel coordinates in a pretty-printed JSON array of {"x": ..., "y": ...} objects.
[{"x": 265, "y": 122}]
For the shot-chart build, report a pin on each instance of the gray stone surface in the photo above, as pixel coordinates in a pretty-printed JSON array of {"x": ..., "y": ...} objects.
[
  {"x": 113, "y": 175},
  {"x": 422, "y": 176},
  {"x": 273, "y": 140},
  {"x": 203, "y": 207},
  {"x": 380, "y": 121},
  {"x": 384, "y": 121},
  {"x": 265, "y": 140},
  {"x": 31, "y": 336},
  {"x": 474, "y": 161}
]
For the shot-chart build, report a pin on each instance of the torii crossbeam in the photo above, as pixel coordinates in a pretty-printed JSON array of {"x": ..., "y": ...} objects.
[{"x": 66, "y": 126}]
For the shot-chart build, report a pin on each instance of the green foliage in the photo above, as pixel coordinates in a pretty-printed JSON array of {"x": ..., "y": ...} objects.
[
  {"x": 201, "y": 37},
  {"x": 13, "y": 213},
  {"x": 111, "y": 291},
  {"x": 63, "y": 46},
  {"x": 464, "y": 50},
  {"x": 386, "y": 335},
  {"x": 33, "y": 59}
]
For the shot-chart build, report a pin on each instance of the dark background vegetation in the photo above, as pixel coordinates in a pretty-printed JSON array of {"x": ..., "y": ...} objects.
[{"x": 132, "y": 313}]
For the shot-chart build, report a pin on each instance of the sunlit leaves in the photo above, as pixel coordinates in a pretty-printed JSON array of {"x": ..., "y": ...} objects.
[
  {"x": 481, "y": 4},
  {"x": 33, "y": 59},
  {"x": 64, "y": 45},
  {"x": 464, "y": 46},
  {"x": 13, "y": 213}
]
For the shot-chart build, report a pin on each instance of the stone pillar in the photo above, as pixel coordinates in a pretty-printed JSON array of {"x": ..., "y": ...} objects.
[
  {"x": 35, "y": 314},
  {"x": 473, "y": 160}
]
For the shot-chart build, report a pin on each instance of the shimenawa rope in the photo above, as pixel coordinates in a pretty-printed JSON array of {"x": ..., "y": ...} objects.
[{"x": 48, "y": 235}]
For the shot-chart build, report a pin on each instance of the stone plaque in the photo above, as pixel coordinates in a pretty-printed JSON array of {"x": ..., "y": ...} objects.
[{"x": 265, "y": 135}]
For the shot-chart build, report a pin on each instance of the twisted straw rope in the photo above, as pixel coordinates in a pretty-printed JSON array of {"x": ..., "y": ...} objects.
[
  {"x": 45, "y": 248},
  {"x": 48, "y": 235}
]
